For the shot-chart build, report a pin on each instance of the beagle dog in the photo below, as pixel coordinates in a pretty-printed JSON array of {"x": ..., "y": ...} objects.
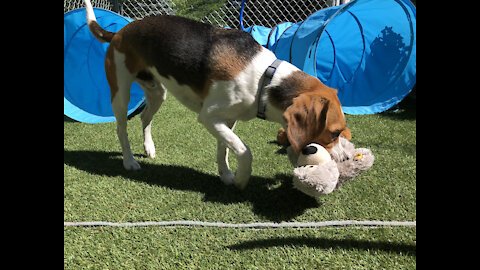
[{"x": 224, "y": 75}]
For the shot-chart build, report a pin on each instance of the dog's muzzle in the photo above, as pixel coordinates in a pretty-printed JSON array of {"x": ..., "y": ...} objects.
[{"x": 338, "y": 153}]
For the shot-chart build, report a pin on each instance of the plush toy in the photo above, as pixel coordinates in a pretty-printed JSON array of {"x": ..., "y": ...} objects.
[{"x": 316, "y": 173}]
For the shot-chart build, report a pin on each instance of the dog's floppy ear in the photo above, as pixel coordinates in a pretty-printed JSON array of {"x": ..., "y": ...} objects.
[
  {"x": 346, "y": 134},
  {"x": 305, "y": 119}
]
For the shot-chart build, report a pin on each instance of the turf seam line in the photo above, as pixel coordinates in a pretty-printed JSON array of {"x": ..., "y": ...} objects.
[{"x": 243, "y": 225}]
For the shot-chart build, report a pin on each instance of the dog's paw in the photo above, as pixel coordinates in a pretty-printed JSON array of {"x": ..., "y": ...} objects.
[
  {"x": 226, "y": 177},
  {"x": 131, "y": 165},
  {"x": 149, "y": 149},
  {"x": 241, "y": 181},
  {"x": 282, "y": 138}
]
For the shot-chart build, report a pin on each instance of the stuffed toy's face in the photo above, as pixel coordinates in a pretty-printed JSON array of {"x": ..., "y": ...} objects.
[
  {"x": 316, "y": 180},
  {"x": 313, "y": 154},
  {"x": 316, "y": 174}
]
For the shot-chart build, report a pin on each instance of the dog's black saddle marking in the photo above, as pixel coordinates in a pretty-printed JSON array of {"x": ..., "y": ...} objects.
[{"x": 145, "y": 75}]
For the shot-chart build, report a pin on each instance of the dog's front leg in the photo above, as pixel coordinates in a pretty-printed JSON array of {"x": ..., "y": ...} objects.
[
  {"x": 222, "y": 160},
  {"x": 225, "y": 136}
]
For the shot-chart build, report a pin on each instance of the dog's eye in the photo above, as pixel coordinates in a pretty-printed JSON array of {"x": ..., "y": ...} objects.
[{"x": 335, "y": 134}]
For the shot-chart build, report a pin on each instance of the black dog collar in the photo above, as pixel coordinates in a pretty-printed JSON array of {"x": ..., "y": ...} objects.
[{"x": 267, "y": 78}]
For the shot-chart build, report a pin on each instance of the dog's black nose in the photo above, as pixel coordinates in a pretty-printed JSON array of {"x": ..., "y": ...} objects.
[{"x": 309, "y": 150}]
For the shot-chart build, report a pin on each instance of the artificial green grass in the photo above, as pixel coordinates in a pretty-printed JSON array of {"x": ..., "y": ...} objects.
[
  {"x": 181, "y": 183},
  {"x": 220, "y": 248}
]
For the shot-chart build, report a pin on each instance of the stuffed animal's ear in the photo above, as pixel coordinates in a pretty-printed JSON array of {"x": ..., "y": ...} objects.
[{"x": 305, "y": 119}]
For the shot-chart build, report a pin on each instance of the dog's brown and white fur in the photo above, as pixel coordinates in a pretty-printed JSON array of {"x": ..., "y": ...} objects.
[{"x": 216, "y": 73}]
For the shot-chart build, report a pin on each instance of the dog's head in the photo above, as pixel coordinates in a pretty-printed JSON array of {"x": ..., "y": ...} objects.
[{"x": 316, "y": 117}]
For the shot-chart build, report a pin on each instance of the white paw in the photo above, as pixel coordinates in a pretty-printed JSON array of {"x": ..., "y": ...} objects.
[
  {"x": 244, "y": 169},
  {"x": 149, "y": 149},
  {"x": 131, "y": 164},
  {"x": 241, "y": 181},
  {"x": 226, "y": 177}
]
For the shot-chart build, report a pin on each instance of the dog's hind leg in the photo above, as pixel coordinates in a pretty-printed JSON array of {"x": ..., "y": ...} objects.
[
  {"x": 120, "y": 107},
  {"x": 155, "y": 94},
  {"x": 120, "y": 81}
]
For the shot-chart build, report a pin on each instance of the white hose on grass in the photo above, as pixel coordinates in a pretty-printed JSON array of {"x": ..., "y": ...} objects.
[{"x": 243, "y": 225}]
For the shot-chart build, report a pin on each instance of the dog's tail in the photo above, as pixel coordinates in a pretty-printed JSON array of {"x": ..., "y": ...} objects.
[{"x": 98, "y": 32}]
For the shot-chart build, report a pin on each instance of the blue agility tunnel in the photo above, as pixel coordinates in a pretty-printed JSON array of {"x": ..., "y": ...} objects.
[
  {"x": 366, "y": 49},
  {"x": 86, "y": 94}
]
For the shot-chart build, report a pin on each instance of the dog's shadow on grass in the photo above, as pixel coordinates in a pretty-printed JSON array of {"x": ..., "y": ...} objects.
[
  {"x": 327, "y": 243},
  {"x": 274, "y": 199}
]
